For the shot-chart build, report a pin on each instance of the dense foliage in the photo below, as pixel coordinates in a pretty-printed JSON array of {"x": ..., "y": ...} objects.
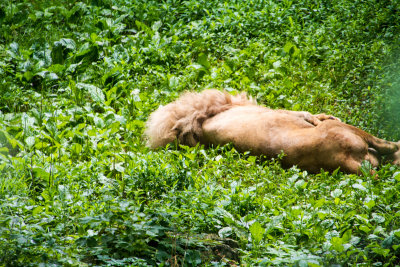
[{"x": 78, "y": 80}]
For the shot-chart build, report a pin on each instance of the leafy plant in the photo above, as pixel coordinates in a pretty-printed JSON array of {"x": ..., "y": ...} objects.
[{"x": 79, "y": 79}]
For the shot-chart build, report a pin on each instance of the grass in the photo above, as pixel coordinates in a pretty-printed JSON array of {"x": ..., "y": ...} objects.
[{"x": 78, "y": 80}]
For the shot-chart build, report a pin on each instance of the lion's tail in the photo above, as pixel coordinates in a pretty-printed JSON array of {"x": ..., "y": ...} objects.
[{"x": 182, "y": 119}]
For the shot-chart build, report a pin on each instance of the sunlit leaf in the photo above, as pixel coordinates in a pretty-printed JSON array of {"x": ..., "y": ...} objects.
[
  {"x": 257, "y": 232},
  {"x": 96, "y": 93}
]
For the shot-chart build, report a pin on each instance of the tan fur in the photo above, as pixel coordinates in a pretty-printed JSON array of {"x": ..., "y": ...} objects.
[
  {"x": 309, "y": 141},
  {"x": 182, "y": 120}
]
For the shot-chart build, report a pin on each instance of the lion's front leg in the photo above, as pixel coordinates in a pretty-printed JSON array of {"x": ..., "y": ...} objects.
[
  {"x": 310, "y": 118},
  {"x": 323, "y": 117},
  {"x": 317, "y": 119}
]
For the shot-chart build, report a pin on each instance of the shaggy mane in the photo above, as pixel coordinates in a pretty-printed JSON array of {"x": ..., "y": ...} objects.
[{"x": 182, "y": 119}]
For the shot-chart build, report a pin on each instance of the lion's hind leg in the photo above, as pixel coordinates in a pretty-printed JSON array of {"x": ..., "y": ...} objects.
[
  {"x": 383, "y": 147},
  {"x": 394, "y": 158},
  {"x": 353, "y": 163}
]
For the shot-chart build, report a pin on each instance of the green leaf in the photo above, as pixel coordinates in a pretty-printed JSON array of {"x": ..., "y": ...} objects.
[
  {"x": 173, "y": 82},
  {"x": 66, "y": 43},
  {"x": 30, "y": 141},
  {"x": 388, "y": 242},
  {"x": 346, "y": 236},
  {"x": 118, "y": 167},
  {"x": 225, "y": 232},
  {"x": 370, "y": 204},
  {"x": 42, "y": 173},
  {"x": 277, "y": 64},
  {"x": 60, "y": 50},
  {"x": 300, "y": 184},
  {"x": 193, "y": 258},
  {"x": 288, "y": 46},
  {"x": 257, "y": 232},
  {"x": 336, "y": 193},
  {"x": 322, "y": 215},
  {"x": 96, "y": 93},
  {"x": 337, "y": 244},
  {"x": 37, "y": 210},
  {"x": 76, "y": 148},
  {"x": 381, "y": 251},
  {"x": 319, "y": 203},
  {"x": 4, "y": 150},
  {"x": 396, "y": 176},
  {"x": 364, "y": 228},
  {"x": 378, "y": 218},
  {"x": 203, "y": 60},
  {"x": 156, "y": 25},
  {"x": 14, "y": 47},
  {"x": 397, "y": 233},
  {"x": 359, "y": 187}
]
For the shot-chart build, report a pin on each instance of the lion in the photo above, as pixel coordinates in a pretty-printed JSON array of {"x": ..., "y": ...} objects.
[{"x": 310, "y": 142}]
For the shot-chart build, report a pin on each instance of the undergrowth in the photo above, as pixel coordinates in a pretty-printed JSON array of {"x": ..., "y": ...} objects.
[{"x": 78, "y": 79}]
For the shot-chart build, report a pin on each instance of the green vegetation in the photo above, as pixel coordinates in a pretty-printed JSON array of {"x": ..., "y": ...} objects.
[{"x": 79, "y": 79}]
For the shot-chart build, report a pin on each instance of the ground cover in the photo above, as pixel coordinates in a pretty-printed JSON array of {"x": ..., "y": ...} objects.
[{"x": 78, "y": 80}]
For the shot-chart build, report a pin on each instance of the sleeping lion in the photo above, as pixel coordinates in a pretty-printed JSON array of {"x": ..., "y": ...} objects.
[{"x": 312, "y": 142}]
